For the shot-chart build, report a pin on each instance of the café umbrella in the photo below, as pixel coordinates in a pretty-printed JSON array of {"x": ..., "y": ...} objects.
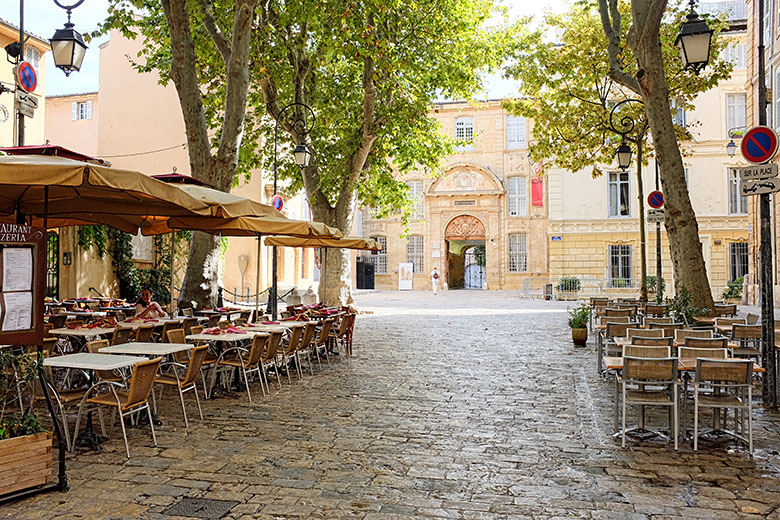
[
  {"x": 70, "y": 192},
  {"x": 366, "y": 244}
]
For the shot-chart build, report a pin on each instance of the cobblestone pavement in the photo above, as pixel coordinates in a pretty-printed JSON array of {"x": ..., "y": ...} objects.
[{"x": 465, "y": 405}]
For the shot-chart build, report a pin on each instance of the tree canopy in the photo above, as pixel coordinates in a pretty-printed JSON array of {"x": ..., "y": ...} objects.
[{"x": 565, "y": 87}]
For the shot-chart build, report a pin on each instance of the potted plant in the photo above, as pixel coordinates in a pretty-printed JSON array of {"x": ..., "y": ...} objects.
[
  {"x": 681, "y": 310},
  {"x": 579, "y": 317},
  {"x": 733, "y": 293},
  {"x": 568, "y": 287},
  {"x": 652, "y": 288},
  {"x": 25, "y": 445}
]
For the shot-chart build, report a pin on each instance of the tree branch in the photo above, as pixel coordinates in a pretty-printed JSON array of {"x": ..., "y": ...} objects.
[
  {"x": 236, "y": 89},
  {"x": 210, "y": 21},
  {"x": 610, "y": 22}
]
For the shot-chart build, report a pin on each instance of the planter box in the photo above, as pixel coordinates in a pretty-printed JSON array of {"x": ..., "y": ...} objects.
[{"x": 25, "y": 462}]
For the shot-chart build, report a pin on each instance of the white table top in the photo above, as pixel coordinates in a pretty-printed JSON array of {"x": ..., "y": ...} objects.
[
  {"x": 87, "y": 361},
  {"x": 219, "y": 337},
  {"x": 97, "y": 331},
  {"x": 150, "y": 349},
  {"x": 268, "y": 328},
  {"x": 86, "y": 314}
]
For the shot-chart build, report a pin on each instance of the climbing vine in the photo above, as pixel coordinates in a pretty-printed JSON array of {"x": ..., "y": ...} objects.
[{"x": 97, "y": 236}]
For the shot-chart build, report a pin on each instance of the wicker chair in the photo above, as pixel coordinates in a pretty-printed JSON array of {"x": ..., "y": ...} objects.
[
  {"x": 646, "y": 352},
  {"x": 725, "y": 310},
  {"x": 651, "y": 382},
  {"x": 270, "y": 358},
  {"x": 247, "y": 360},
  {"x": 214, "y": 320},
  {"x": 705, "y": 343},
  {"x": 58, "y": 320},
  {"x": 121, "y": 335},
  {"x": 650, "y": 321},
  {"x": 321, "y": 343},
  {"x": 681, "y": 334},
  {"x": 187, "y": 325},
  {"x": 187, "y": 311},
  {"x": 668, "y": 328},
  {"x": 645, "y": 333},
  {"x": 306, "y": 346},
  {"x": 127, "y": 402},
  {"x": 143, "y": 334},
  {"x": 288, "y": 352},
  {"x": 341, "y": 336},
  {"x": 723, "y": 384},
  {"x": 649, "y": 341},
  {"x": 187, "y": 383},
  {"x": 746, "y": 341}
]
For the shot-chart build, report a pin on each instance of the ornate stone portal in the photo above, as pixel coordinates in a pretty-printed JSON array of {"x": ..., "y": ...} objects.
[{"x": 465, "y": 227}]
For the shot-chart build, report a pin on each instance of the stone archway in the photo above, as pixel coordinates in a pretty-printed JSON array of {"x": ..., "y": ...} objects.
[{"x": 463, "y": 234}]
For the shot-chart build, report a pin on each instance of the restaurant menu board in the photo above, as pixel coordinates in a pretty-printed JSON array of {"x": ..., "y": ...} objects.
[{"x": 22, "y": 249}]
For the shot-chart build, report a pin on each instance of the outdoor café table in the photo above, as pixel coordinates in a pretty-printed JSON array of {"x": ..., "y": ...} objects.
[
  {"x": 86, "y": 314},
  {"x": 91, "y": 362},
  {"x": 220, "y": 338},
  {"x": 82, "y": 332},
  {"x": 147, "y": 349}
]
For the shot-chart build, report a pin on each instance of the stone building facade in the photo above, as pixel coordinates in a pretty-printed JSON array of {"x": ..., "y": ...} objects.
[{"x": 481, "y": 219}]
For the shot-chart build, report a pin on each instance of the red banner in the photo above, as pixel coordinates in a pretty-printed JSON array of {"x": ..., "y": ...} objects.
[{"x": 537, "y": 192}]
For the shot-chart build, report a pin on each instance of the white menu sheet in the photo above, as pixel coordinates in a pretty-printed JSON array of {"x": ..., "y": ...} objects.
[
  {"x": 18, "y": 311},
  {"x": 17, "y": 269}
]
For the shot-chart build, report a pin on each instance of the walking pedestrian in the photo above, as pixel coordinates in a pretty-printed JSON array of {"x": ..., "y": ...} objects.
[{"x": 435, "y": 279}]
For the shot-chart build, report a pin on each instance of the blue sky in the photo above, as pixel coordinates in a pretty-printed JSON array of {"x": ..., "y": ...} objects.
[{"x": 43, "y": 17}]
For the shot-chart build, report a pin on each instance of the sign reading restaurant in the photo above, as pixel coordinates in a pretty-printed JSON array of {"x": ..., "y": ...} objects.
[{"x": 14, "y": 232}]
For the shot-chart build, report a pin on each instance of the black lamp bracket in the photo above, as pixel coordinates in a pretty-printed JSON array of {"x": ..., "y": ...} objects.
[{"x": 68, "y": 8}]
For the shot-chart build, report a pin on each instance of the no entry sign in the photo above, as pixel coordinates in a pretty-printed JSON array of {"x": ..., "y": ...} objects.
[
  {"x": 655, "y": 199},
  {"x": 26, "y": 77},
  {"x": 759, "y": 144}
]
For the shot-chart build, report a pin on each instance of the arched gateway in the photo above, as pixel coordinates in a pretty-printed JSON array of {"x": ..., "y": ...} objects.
[{"x": 465, "y": 239}]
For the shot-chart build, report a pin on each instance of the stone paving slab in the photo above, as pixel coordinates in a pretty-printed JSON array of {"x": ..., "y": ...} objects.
[{"x": 466, "y": 405}]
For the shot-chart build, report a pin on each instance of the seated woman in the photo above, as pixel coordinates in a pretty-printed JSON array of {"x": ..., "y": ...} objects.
[{"x": 146, "y": 308}]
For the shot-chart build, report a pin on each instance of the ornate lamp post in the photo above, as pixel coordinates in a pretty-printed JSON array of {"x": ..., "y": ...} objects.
[
  {"x": 302, "y": 157},
  {"x": 626, "y": 126}
]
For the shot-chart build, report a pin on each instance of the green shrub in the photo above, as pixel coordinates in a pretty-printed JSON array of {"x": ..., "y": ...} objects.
[
  {"x": 621, "y": 282},
  {"x": 680, "y": 308},
  {"x": 569, "y": 283},
  {"x": 734, "y": 290},
  {"x": 652, "y": 284}
]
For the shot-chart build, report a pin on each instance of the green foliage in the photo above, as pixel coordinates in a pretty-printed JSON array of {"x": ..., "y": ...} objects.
[
  {"x": 569, "y": 283},
  {"x": 680, "y": 308},
  {"x": 97, "y": 236},
  {"x": 17, "y": 368},
  {"x": 734, "y": 289},
  {"x": 621, "y": 283},
  {"x": 124, "y": 268},
  {"x": 18, "y": 425},
  {"x": 652, "y": 284},
  {"x": 565, "y": 89},
  {"x": 579, "y": 316},
  {"x": 335, "y": 56}
]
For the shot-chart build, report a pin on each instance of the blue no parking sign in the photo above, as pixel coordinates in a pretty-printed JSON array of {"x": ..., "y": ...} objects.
[
  {"x": 26, "y": 77},
  {"x": 759, "y": 144}
]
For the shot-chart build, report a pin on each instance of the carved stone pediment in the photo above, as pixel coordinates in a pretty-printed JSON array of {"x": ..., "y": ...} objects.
[
  {"x": 466, "y": 179},
  {"x": 465, "y": 227}
]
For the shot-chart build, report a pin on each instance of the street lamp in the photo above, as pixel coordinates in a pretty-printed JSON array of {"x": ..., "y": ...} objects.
[
  {"x": 693, "y": 42},
  {"x": 731, "y": 148},
  {"x": 623, "y": 155},
  {"x": 302, "y": 156},
  {"x": 67, "y": 44}
]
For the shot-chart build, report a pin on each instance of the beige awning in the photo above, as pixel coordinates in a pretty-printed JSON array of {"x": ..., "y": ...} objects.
[
  {"x": 344, "y": 242},
  {"x": 87, "y": 193}
]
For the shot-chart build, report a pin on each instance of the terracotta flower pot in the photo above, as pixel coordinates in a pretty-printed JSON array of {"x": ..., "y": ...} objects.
[{"x": 579, "y": 336}]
